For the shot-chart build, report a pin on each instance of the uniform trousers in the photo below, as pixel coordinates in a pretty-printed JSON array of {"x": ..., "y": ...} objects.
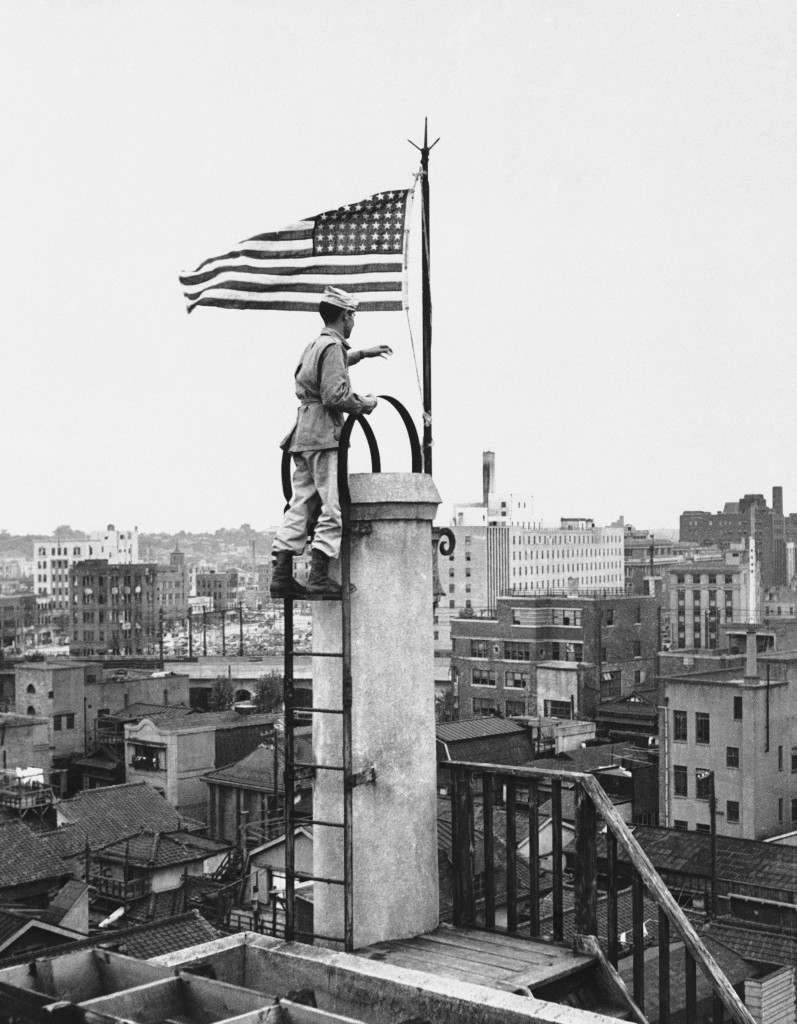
[{"x": 315, "y": 494}]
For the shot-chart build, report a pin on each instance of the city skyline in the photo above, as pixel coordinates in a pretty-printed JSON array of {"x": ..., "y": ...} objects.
[{"x": 613, "y": 249}]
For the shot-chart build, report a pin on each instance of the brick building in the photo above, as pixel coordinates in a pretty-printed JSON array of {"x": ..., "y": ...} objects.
[
  {"x": 553, "y": 656},
  {"x": 114, "y": 608},
  {"x": 17, "y": 616},
  {"x": 220, "y": 587},
  {"x": 53, "y": 558},
  {"x": 738, "y": 521},
  {"x": 700, "y": 598}
]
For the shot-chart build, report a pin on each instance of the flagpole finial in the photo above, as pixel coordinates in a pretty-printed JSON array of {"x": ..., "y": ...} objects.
[{"x": 425, "y": 149}]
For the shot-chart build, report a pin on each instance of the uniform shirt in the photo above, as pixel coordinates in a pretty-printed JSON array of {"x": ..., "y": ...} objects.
[{"x": 324, "y": 397}]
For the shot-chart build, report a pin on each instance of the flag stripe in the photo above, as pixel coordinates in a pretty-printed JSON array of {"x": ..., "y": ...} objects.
[
  {"x": 245, "y": 272},
  {"x": 358, "y": 247},
  {"x": 307, "y": 307}
]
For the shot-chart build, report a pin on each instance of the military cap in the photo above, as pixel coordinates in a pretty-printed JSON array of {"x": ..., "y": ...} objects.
[{"x": 337, "y": 297}]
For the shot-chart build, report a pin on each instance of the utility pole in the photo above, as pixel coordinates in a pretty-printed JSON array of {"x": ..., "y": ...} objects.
[
  {"x": 190, "y": 634},
  {"x": 240, "y": 629},
  {"x": 223, "y": 636}
]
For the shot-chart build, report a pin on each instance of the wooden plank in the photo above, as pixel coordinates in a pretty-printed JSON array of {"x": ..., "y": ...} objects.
[
  {"x": 534, "y": 859},
  {"x": 471, "y": 953},
  {"x": 489, "y": 851},
  {"x": 586, "y": 866},
  {"x": 525, "y": 947},
  {"x": 556, "y": 858},
  {"x": 611, "y": 897},
  {"x": 589, "y": 945},
  {"x": 664, "y": 898},
  {"x": 511, "y": 858}
]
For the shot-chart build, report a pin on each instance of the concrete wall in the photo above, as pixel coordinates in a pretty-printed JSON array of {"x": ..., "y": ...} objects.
[
  {"x": 760, "y": 787},
  {"x": 52, "y": 690},
  {"x": 25, "y": 742},
  {"x": 393, "y": 727}
]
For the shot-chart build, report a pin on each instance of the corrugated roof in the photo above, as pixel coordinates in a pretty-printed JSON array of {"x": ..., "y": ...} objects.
[
  {"x": 24, "y": 858},
  {"x": 475, "y": 728},
  {"x": 768, "y": 865}
]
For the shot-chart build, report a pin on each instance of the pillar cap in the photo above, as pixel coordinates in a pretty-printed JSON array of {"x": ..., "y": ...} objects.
[{"x": 393, "y": 496}]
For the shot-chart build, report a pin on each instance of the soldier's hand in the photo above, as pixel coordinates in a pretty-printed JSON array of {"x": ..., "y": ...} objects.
[
  {"x": 382, "y": 351},
  {"x": 371, "y": 403}
]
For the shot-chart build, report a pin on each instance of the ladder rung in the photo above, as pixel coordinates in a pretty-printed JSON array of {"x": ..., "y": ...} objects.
[
  {"x": 319, "y": 711},
  {"x": 326, "y": 824},
  {"x": 326, "y": 767},
  {"x": 317, "y": 654},
  {"x": 304, "y": 877}
]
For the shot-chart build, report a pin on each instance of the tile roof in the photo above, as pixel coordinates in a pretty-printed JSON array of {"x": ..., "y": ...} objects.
[
  {"x": 141, "y": 710},
  {"x": 159, "y": 850},
  {"x": 474, "y": 728},
  {"x": 768, "y": 865},
  {"x": 109, "y": 813},
  {"x": 25, "y": 859},
  {"x": 754, "y": 943},
  {"x": 167, "y": 935},
  {"x": 65, "y": 842},
  {"x": 208, "y": 719},
  {"x": 256, "y": 770}
]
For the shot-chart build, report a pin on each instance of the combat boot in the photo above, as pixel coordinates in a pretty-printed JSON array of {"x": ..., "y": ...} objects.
[
  {"x": 320, "y": 587},
  {"x": 282, "y": 582}
]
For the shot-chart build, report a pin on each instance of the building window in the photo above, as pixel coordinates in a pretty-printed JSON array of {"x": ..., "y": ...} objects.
[
  {"x": 483, "y": 706},
  {"x": 31, "y": 688},
  {"x": 679, "y": 727},
  {"x": 731, "y": 757},
  {"x": 479, "y": 648},
  {"x": 557, "y": 709},
  {"x": 737, "y": 709},
  {"x": 793, "y": 760},
  {"x": 702, "y": 730},
  {"x": 780, "y": 759},
  {"x": 702, "y": 828},
  {"x": 780, "y": 808},
  {"x": 702, "y": 783},
  {"x": 483, "y": 677},
  {"x": 31, "y": 710},
  {"x": 148, "y": 759},
  {"x": 610, "y": 616},
  {"x": 514, "y": 651},
  {"x": 679, "y": 823},
  {"x": 794, "y": 809},
  {"x": 732, "y": 810},
  {"x": 518, "y": 680},
  {"x": 637, "y": 649},
  {"x": 515, "y": 707},
  {"x": 680, "y": 781}
]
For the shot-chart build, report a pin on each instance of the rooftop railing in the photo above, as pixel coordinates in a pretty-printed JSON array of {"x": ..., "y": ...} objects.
[{"x": 526, "y": 788}]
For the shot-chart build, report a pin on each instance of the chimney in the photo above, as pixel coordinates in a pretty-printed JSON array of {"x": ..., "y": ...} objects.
[
  {"x": 751, "y": 651},
  {"x": 488, "y": 476},
  {"x": 777, "y": 500}
]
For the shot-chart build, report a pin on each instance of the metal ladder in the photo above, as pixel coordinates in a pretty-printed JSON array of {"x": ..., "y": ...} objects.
[{"x": 295, "y": 770}]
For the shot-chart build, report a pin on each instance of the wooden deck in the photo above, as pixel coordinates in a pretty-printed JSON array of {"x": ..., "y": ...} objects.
[{"x": 483, "y": 958}]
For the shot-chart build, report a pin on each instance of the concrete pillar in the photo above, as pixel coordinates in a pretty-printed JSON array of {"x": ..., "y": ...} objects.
[{"x": 393, "y": 728}]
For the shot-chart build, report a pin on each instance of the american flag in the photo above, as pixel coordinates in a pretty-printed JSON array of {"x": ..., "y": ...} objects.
[{"x": 360, "y": 248}]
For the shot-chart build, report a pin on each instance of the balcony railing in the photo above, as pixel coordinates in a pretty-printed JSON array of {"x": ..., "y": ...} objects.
[
  {"x": 529, "y": 787},
  {"x": 118, "y": 889}
]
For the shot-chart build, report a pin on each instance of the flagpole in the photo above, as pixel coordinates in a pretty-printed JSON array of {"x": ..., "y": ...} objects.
[{"x": 426, "y": 298}]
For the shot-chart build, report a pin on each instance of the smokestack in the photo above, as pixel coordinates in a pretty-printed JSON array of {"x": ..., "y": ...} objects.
[
  {"x": 777, "y": 500},
  {"x": 751, "y": 661},
  {"x": 488, "y": 475}
]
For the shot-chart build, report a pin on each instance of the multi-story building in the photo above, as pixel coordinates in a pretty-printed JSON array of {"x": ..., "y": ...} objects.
[
  {"x": 734, "y": 729},
  {"x": 703, "y": 596},
  {"x": 220, "y": 587},
  {"x": 578, "y": 556},
  {"x": 114, "y": 608},
  {"x": 738, "y": 521},
  {"x": 53, "y": 559},
  {"x": 173, "y": 754},
  {"x": 172, "y": 587},
  {"x": 553, "y": 656},
  {"x": 17, "y": 617},
  {"x": 464, "y": 580},
  {"x": 56, "y": 690}
]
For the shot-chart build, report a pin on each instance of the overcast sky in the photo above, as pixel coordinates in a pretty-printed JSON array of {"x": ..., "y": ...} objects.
[{"x": 614, "y": 246}]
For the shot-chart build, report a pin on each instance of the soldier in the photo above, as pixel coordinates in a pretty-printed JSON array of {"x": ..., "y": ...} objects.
[{"x": 324, "y": 393}]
